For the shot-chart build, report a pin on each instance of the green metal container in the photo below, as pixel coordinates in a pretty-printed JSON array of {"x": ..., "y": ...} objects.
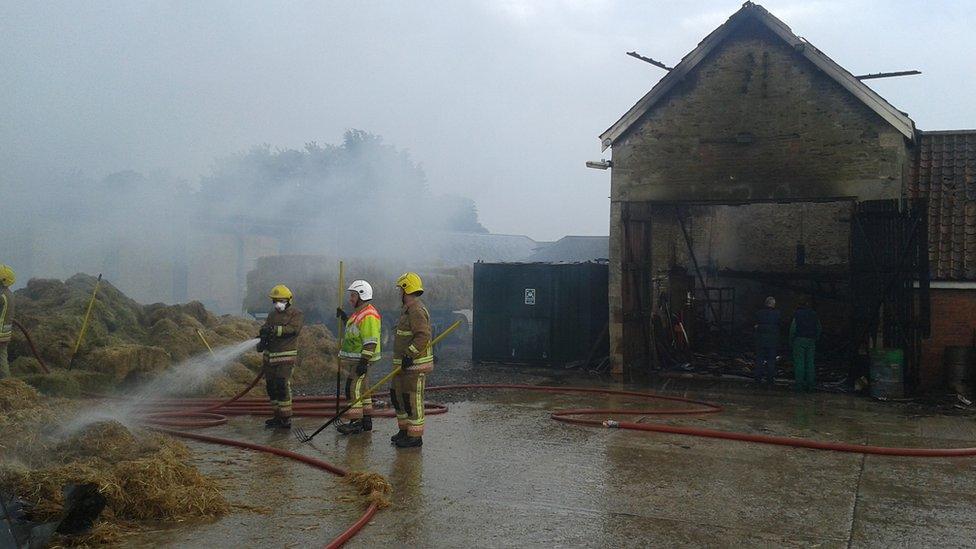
[
  {"x": 540, "y": 313},
  {"x": 887, "y": 373}
]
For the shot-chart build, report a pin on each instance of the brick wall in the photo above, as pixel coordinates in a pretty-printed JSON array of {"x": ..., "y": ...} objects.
[{"x": 953, "y": 322}]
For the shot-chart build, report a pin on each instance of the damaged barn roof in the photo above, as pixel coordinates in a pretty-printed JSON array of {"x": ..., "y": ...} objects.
[{"x": 750, "y": 11}]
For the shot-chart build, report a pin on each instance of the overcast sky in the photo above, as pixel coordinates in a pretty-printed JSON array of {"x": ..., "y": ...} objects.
[{"x": 500, "y": 100}]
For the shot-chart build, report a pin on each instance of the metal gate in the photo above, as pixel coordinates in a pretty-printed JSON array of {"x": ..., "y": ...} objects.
[
  {"x": 890, "y": 278},
  {"x": 636, "y": 288}
]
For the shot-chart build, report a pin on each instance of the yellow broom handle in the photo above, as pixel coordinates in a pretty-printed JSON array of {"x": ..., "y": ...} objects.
[
  {"x": 396, "y": 370},
  {"x": 209, "y": 348},
  {"x": 88, "y": 312}
]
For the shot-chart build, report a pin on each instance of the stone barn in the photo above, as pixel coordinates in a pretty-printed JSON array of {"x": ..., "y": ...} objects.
[{"x": 758, "y": 166}]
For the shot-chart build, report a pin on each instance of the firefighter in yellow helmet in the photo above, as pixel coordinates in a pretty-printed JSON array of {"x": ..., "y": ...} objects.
[
  {"x": 7, "y": 279},
  {"x": 412, "y": 352},
  {"x": 279, "y": 343}
]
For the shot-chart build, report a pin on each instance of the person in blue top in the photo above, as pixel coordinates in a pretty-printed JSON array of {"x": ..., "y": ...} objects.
[
  {"x": 804, "y": 333},
  {"x": 767, "y": 341}
]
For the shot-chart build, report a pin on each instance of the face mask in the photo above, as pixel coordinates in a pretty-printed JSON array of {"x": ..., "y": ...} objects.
[{"x": 280, "y": 306}]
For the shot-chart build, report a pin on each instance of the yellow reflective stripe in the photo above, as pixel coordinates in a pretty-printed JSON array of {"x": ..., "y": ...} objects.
[
  {"x": 404, "y": 333},
  {"x": 413, "y": 349},
  {"x": 419, "y": 399},
  {"x": 279, "y": 330},
  {"x": 283, "y": 353},
  {"x": 357, "y": 391},
  {"x": 348, "y": 354},
  {"x": 6, "y": 329}
]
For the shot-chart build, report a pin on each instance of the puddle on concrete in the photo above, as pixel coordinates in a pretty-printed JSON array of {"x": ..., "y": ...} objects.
[{"x": 497, "y": 472}]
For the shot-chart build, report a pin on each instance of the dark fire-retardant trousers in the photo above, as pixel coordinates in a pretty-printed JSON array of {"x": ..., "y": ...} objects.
[
  {"x": 277, "y": 382},
  {"x": 355, "y": 387},
  {"x": 407, "y": 396}
]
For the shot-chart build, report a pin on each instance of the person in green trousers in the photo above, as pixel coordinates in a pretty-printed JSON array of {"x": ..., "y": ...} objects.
[{"x": 804, "y": 333}]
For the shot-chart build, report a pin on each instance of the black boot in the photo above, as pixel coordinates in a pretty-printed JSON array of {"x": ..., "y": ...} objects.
[
  {"x": 284, "y": 423},
  {"x": 402, "y": 433},
  {"x": 271, "y": 423},
  {"x": 354, "y": 427},
  {"x": 367, "y": 423},
  {"x": 410, "y": 442}
]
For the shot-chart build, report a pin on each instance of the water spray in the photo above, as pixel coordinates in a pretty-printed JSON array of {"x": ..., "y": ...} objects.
[{"x": 188, "y": 375}]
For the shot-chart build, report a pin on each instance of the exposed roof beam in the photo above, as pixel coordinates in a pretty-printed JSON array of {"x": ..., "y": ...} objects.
[
  {"x": 887, "y": 74},
  {"x": 654, "y": 62}
]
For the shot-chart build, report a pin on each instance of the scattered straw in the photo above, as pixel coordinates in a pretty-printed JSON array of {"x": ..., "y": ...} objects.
[
  {"x": 16, "y": 395},
  {"x": 143, "y": 476},
  {"x": 371, "y": 487}
]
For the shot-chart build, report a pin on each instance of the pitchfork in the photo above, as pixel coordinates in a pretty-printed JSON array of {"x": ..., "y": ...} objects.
[{"x": 302, "y": 436}]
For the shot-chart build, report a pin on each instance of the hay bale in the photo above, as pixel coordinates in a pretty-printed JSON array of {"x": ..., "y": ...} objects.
[
  {"x": 252, "y": 360},
  {"x": 16, "y": 395},
  {"x": 129, "y": 363},
  {"x": 316, "y": 355},
  {"x": 57, "y": 383},
  {"x": 186, "y": 314},
  {"x": 53, "y": 312},
  {"x": 180, "y": 341},
  {"x": 108, "y": 440},
  {"x": 25, "y": 365},
  {"x": 93, "y": 382},
  {"x": 232, "y": 381},
  {"x": 234, "y": 328},
  {"x": 143, "y": 477}
]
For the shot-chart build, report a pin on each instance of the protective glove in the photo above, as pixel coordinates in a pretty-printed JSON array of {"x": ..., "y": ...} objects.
[
  {"x": 340, "y": 314},
  {"x": 406, "y": 362},
  {"x": 362, "y": 366},
  {"x": 267, "y": 331},
  {"x": 261, "y": 346}
]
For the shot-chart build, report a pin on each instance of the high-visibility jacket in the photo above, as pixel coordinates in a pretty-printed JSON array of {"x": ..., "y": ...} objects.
[
  {"x": 6, "y": 315},
  {"x": 362, "y": 328},
  {"x": 413, "y": 335},
  {"x": 287, "y": 324}
]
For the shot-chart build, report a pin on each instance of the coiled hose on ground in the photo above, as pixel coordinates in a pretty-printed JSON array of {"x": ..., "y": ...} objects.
[{"x": 189, "y": 413}]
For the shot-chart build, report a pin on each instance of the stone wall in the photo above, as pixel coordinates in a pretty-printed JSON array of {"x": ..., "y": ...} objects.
[{"x": 754, "y": 122}]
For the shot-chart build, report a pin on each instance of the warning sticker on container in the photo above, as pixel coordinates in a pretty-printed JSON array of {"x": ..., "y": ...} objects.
[{"x": 530, "y": 296}]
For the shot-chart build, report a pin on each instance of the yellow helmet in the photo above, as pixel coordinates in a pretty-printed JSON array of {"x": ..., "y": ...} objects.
[
  {"x": 281, "y": 292},
  {"x": 7, "y": 276},
  {"x": 410, "y": 283}
]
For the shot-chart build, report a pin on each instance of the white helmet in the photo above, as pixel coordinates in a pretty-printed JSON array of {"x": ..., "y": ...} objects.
[{"x": 362, "y": 288}]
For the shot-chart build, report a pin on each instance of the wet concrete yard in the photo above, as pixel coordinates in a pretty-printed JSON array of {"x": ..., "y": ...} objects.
[{"x": 496, "y": 471}]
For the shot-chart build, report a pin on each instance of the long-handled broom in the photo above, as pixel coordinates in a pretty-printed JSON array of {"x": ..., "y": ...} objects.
[
  {"x": 340, "y": 330},
  {"x": 305, "y": 437}
]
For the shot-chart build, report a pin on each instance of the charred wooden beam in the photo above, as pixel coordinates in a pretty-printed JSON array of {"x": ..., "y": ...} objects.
[
  {"x": 654, "y": 62},
  {"x": 887, "y": 74}
]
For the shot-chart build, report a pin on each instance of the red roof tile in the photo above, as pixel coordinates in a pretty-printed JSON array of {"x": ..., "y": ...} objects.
[{"x": 944, "y": 172}]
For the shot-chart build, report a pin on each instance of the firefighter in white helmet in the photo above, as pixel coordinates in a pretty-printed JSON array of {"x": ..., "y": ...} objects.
[{"x": 360, "y": 348}]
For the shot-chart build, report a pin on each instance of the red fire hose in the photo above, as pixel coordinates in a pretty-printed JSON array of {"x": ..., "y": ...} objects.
[
  {"x": 213, "y": 412},
  {"x": 566, "y": 416},
  {"x": 30, "y": 342},
  {"x": 187, "y": 413}
]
